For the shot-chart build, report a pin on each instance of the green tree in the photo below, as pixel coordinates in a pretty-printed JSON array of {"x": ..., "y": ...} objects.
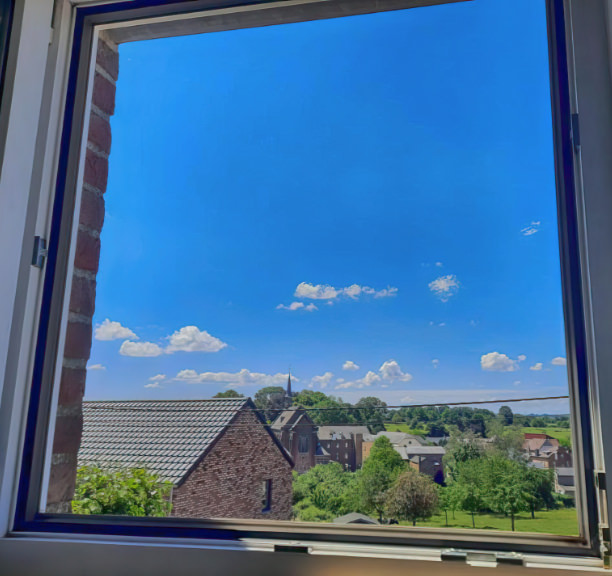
[
  {"x": 378, "y": 473},
  {"x": 335, "y": 411},
  {"x": 270, "y": 401},
  {"x": 228, "y": 394},
  {"x": 540, "y": 488},
  {"x": 326, "y": 486},
  {"x": 506, "y": 415},
  {"x": 121, "y": 491},
  {"x": 507, "y": 490},
  {"x": 412, "y": 496},
  {"x": 468, "y": 488},
  {"x": 373, "y": 411},
  {"x": 461, "y": 447}
]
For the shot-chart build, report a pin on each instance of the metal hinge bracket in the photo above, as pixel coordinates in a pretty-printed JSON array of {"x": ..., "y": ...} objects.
[
  {"x": 39, "y": 255},
  {"x": 488, "y": 559}
]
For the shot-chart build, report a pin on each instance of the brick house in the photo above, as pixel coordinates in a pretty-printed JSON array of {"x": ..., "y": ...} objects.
[
  {"x": 298, "y": 434},
  {"x": 343, "y": 444},
  {"x": 223, "y": 460},
  {"x": 547, "y": 451}
]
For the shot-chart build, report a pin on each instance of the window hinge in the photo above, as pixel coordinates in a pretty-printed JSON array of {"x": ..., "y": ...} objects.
[
  {"x": 39, "y": 255},
  {"x": 575, "y": 133},
  {"x": 484, "y": 559}
]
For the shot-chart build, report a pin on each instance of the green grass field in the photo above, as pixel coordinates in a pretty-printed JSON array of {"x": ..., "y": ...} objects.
[
  {"x": 405, "y": 428},
  {"x": 562, "y": 522},
  {"x": 564, "y": 435}
]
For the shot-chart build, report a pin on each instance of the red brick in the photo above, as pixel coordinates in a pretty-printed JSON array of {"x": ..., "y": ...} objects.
[
  {"x": 92, "y": 210},
  {"x": 228, "y": 481},
  {"x": 96, "y": 171},
  {"x": 99, "y": 132},
  {"x": 83, "y": 296},
  {"x": 72, "y": 386},
  {"x": 87, "y": 255},
  {"x": 107, "y": 58},
  {"x": 62, "y": 480},
  {"x": 104, "y": 94},
  {"x": 78, "y": 341},
  {"x": 68, "y": 432}
]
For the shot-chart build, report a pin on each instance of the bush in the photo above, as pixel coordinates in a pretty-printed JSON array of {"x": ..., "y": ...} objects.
[{"x": 122, "y": 491}]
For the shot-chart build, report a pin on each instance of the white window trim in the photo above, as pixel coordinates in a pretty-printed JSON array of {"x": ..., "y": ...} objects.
[{"x": 32, "y": 135}]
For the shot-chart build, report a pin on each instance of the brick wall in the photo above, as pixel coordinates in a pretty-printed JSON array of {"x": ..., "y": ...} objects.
[
  {"x": 69, "y": 422},
  {"x": 228, "y": 483}
]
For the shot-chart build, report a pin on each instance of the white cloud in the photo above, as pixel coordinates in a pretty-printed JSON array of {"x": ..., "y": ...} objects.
[
  {"x": 435, "y": 362},
  {"x": 365, "y": 382},
  {"x": 439, "y": 264},
  {"x": 140, "y": 349},
  {"x": 350, "y": 365},
  {"x": 390, "y": 370},
  {"x": 113, "y": 331},
  {"x": 531, "y": 229},
  {"x": 157, "y": 378},
  {"x": 191, "y": 339},
  {"x": 559, "y": 361},
  {"x": 445, "y": 286},
  {"x": 153, "y": 385},
  {"x": 311, "y": 307},
  {"x": 496, "y": 362},
  {"x": 521, "y": 357},
  {"x": 292, "y": 306},
  {"x": 536, "y": 367},
  {"x": 96, "y": 367},
  {"x": 327, "y": 292},
  {"x": 242, "y": 378},
  {"x": 315, "y": 292},
  {"x": 321, "y": 381}
]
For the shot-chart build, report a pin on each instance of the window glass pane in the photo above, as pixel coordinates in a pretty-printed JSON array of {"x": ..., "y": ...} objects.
[{"x": 321, "y": 246}]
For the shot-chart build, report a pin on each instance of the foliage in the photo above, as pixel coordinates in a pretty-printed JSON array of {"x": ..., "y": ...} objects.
[
  {"x": 506, "y": 440},
  {"x": 467, "y": 490},
  {"x": 228, "y": 394},
  {"x": 336, "y": 411},
  {"x": 540, "y": 489},
  {"x": 378, "y": 473},
  {"x": 121, "y": 491},
  {"x": 373, "y": 412},
  {"x": 411, "y": 497},
  {"x": 506, "y": 415},
  {"x": 326, "y": 487},
  {"x": 461, "y": 447},
  {"x": 270, "y": 401}
]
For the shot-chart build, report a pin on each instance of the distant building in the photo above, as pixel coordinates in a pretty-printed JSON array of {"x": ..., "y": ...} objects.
[
  {"x": 343, "y": 444},
  {"x": 546, "y": 450},
  {"x": 396, "y": 438},
  {"x": 565, "y": 482},
  {"x": 354, "y": 518},
  {"x": 298, "y": 434},
  {"x": 221, "y": 457}
]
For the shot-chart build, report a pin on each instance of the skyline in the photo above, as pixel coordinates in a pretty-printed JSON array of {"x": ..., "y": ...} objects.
[{"x": 381, "y": 224}]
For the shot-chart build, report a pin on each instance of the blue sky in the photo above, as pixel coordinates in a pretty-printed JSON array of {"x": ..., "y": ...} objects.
[{"x": 368, "y": 200}]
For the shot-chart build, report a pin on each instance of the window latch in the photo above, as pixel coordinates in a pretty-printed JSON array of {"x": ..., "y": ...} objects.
[
  {"x": 575, "y": 132},
  {"x": 483, "y": 559},
  {"x": 39, "y": 255}
]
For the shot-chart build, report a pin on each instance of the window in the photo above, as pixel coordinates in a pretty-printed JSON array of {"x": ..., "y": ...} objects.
[
  {"x": 72, "y": 339},
  {"x": 304, "y": 444},
  {"x": 266, "y": 499}
]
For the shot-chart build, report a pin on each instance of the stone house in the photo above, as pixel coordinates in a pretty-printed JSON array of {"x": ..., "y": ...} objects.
[
  {"x": 221, "y": 457},
  {"x": 547, "y": 451},
  {"x": 297, "y": 433},
  {"x": 343, "y": 444}
]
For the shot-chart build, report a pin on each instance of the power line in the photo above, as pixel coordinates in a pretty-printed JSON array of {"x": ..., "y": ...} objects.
[{"x": 95, "y": 406}]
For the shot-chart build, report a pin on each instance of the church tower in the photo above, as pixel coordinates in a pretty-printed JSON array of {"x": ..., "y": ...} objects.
[{"x": 288, "y": 400}]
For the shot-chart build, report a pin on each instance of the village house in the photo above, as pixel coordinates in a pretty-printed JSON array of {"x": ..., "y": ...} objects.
[
  {"x": 221, "y": 457},
  {"x": 343, "y": 444},
  {"x": 297, "y": 433},
  {"x": 547, "y": 451}
]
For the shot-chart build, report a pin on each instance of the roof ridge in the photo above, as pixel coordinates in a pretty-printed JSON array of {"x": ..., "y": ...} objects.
[{"x": 244, "y": 399}]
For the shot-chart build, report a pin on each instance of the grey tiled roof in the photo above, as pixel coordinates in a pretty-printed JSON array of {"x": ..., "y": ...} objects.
[
  {"x": 341, "y": 432},
  {"x": 167, "y": 437}
]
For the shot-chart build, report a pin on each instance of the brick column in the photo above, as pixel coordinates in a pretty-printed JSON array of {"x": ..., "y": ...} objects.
[{"x": 69, "y": 422}]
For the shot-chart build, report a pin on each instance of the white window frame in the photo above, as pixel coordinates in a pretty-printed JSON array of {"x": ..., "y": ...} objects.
[{"x": 31, "y": 120}]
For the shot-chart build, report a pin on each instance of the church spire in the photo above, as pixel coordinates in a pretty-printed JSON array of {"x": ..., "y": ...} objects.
[{"x": 289, "y": 385}]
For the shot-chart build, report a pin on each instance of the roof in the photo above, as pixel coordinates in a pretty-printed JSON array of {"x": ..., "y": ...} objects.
[
  {"x": 290, "y": 418},
  {"x": 341, "y": 432},
  {"x": 399, "y": 438},
  {"x": 407, "y": 452},
  {"x": 167, "y": 436},
  {"x": 565, "y": 471},
  {"x": 354, "y": 518}
]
